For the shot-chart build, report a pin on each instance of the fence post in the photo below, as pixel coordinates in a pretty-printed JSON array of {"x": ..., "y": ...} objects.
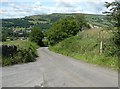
[{"x": 101, "y": 41}]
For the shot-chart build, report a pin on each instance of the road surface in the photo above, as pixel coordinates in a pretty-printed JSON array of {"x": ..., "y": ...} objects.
[{"x": 55, "y": 70}]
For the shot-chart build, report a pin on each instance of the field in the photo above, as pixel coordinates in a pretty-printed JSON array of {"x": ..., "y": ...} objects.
[
  {"x": 21, "y": 43},
  {"x": 45, "y": 21},
  {"x": 15, "y": 52},
  {"x": 86, "y": 46}
]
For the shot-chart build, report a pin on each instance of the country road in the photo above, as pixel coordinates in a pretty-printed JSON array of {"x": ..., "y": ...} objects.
[{"x": 55, "y": 70}]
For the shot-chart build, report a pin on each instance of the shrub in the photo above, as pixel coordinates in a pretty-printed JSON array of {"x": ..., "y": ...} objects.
[
  {"x": 65, "y": 28},
  {"x": 36, "y": 35},
  {"x": 15, "y": 54}
]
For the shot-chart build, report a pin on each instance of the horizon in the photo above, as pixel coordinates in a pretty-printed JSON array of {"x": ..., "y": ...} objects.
[
  {"x": 22, "y": 8},
  {"x": 49, "y": 14}
]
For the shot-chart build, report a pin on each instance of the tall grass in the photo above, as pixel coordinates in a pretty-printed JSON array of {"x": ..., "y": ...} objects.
[
  {"x": 85, "y": 46},
  {"x": 26, "y": 52}
]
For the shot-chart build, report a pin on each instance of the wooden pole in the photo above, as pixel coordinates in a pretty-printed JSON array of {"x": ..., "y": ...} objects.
[{"x": 101, "y": 42}]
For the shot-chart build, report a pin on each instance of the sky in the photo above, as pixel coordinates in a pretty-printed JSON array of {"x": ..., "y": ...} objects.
[{"x": 22, "y": 8}]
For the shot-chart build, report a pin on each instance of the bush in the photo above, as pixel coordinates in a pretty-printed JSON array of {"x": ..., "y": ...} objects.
[
  {"x": 65, "y": 28},
  {"x": 36, "y": 35},
  {"x": 8, "y": 50},
  {"x": 15, "y": 54},
  {"x": 45, "y": 42},
  {"x": 3, "y": 38}
]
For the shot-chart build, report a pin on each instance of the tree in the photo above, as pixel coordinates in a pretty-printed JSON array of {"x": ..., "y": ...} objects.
[
  {"x": 36, "y": 35},
  {"x": 4, "y": 38},
  {"x": 114, "y": 12},
  {"x": 81, "y": 21},
  {"x": 64, "y": 28}
]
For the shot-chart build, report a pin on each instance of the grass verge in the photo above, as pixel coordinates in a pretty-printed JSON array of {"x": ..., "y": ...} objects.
[{"x": 85, "y": 46}]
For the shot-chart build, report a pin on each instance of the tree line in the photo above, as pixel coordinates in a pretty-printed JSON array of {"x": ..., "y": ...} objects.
[{"x": 61, "y": 30}]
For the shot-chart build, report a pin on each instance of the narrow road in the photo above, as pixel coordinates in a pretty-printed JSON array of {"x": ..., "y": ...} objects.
[{"x": 55, "y": 70}]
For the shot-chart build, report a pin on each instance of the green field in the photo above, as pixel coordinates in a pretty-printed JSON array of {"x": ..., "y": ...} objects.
[
  {"x": 45, "y": 21},
  {"x": 86, "y": 45},
  {"x": 21, "y": 43}
]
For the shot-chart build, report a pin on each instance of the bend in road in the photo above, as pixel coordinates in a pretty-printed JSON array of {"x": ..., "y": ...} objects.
[{"x": 55, "y": 70}]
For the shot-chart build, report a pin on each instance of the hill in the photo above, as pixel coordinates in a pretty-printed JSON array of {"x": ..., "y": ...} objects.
[
  {"x": 86, "y": 46},
  {"x": 45, "y": 21}
]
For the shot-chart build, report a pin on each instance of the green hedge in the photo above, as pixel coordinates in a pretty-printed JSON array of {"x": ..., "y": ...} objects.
[{"x": 16, "y": 54}]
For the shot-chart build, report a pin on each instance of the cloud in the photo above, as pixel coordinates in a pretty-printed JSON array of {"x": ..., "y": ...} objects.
[
  {"x": 63, "y": 3},
  {"x": 79, "y": 1},
  {"x": 5, "y": 1},
  {"x": 90, "y": 6},
  {"x": 20, "y": 8}
]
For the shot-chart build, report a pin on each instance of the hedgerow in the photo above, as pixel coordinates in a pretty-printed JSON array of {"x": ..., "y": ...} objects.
[{"x": 16, "y": 54}]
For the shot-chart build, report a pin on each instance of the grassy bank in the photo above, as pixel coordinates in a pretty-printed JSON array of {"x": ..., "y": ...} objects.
[
  {"x": 85, "y": 46},
  {"x": 25, "y": 52}
]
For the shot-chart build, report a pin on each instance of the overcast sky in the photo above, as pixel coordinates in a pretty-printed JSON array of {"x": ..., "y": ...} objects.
[{"x": 22, "y": 8}]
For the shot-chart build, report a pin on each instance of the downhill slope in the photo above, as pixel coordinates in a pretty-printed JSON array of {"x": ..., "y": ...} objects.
[{"x": 55, "y": 70}]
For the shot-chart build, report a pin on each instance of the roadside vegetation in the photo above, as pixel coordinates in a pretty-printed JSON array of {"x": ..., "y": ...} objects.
[
  {"x": 92, "y": 38},
  {"x": 99, "y": 46},
  {"x": 16, "y": 52},
  {"x": 86, "y": 46},
  {"x": 36, "y": 36},
  {"x": 114, "y": 13},
  {"x": 66, "y": 28},
  {"x": 21, "y": 51}
]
